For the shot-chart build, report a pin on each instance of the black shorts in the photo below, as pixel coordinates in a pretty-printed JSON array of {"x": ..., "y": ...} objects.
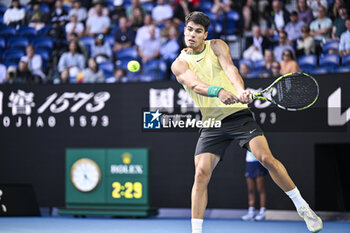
[
  {"x": 255, "y": 169},
  {"x": 239, "y": 126}
]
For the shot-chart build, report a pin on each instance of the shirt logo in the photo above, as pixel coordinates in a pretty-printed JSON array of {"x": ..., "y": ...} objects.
[
  {"x": 252, "y": 131},
  {"x": 199, "y": 59}
]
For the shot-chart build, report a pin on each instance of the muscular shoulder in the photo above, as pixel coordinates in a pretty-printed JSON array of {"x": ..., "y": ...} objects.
[
  {"x": 179, "y": 66},
  {"x": 219, "y": 47}
]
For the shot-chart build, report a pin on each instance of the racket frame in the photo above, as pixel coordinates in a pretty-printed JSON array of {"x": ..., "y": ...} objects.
[{"x": 260, "y": 96}]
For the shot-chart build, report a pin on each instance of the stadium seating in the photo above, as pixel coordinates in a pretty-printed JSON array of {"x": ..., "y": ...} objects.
[
  {"x": 3, "y": 8},
  {"x": 246, "y": 61},
  {"x": 319, "y": 70},
  {"x": 45, "y": 55},
  {"x": 231, "y": 22},
  {"x": 107, "y": 68},
  {"x": 148, "y": 6},
  {"x": 2, "y": 43},
  {"x": 27, "y": 32},
  {"x": 13, "y": 55},
  {"x": 343, "y": 69},
  {"x": 345, "y": 61},
  {"x": 17, "y": 43},
  {"x": 43, "y": 43},
  {"x": 155, "y": 68},
  {"x": 130, "y": 53},
  {"x": 307, "y": 62},
  {"x": 329, "y": 61},
  {"x": 254, "y": 74},
  {"x": 330, "y": 45},
  {"x": 7, "y": 32},
  {"x": 206, "y": 6},
  {"x": 259, "y": 65},
  {"x": 42, "y": 32},
  {"x": 110, "y": 39}
]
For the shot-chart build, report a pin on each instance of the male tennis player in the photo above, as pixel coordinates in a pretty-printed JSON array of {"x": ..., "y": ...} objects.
[{"x": 206, "y": 71}]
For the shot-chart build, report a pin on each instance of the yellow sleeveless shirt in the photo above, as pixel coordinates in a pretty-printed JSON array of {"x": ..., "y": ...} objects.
[{"x": 208, "y": 69}]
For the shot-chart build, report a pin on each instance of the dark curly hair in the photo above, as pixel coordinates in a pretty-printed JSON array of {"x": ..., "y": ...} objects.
[{"x": 200, "y": 18}]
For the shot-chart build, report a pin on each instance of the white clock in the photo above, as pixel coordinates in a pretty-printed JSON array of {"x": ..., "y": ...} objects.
[{"x": 85, "y": 175}]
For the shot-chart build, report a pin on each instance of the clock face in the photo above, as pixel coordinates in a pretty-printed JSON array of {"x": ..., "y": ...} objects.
[{"x": 85, "y": 175}]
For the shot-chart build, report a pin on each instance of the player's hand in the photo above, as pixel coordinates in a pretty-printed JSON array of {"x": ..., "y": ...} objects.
[
  {"x": 244, "y": 97},
  {"x": 227, "y": 97}
]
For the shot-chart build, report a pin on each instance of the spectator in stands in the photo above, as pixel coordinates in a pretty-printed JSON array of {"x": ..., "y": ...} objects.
[
  {"x": 134, "y": 4},
  {"x": 124, "y": 36},
  {"x": 98, "y": 23},
  {"x": 262, "y": 19},
  {"x": 136, "y": 19},
  {"x": 11, "y": 76},
  {"x": 244, "y": 70},
  {"x": 170, "y": 49},
  {"x": 334, "y": 11},
  {"x": 306, "y": 44},
  {"x": 117, "y": 12},
  {"x": 250, "y": 14},
  {"x": 279, "y": 17},
  {"x": 92, "y": 74},
  {"x": 74, "y": 26},
  {"x": 73, "y": 37},
  {"x": 275, "y": 69},
  {"x": 2, "y": 73},
  {"x": 71, "y": 61},
  {"x": 143, "y": 34},
  {"x": 182, "y": 8},
  {"x": 282, "y": 45},
  {"x": 119, "y": 74},
  {"x": 36, "y": 18},
  {"x": 34, "y": 63},
  {"x": 304, "y": 12},
  {"x": 268, "y": 59},
  {"x": 315, "y": 4},
  {"x": 321, "y": 28},
  {"x": 14, "y": 15},
  {"x": 293, "y": 28},
  {"x": 288, "y": 63},
  {"x": 256, "y": 45},
  {"x": 221, "y": 6},
  {"x": 162, "y": 12},
  {"x": 344, "y": 46},
  {"x": 24, "y": 74},
  {"x": 101, "y": 50},
  {"x": 339, "y": 23},
  {"x": 78, "y": 10},
  {"x": 150, "y": 48},
  {"x": 98, "y": 9},
  {"x": 58, "y": 14}
]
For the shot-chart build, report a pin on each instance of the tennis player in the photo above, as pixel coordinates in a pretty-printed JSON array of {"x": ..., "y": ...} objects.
[{"x": 206, "y": 71}]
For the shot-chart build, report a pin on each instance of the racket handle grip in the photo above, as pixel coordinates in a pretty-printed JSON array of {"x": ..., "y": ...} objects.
[{"x": 251, "y": 96}]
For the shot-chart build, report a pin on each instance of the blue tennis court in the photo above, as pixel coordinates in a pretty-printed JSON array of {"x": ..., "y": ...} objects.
[{"x": 59, "y": 224}]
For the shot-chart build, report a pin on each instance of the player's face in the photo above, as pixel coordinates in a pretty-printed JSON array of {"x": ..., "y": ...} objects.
[{"x": 195, "y": 35}]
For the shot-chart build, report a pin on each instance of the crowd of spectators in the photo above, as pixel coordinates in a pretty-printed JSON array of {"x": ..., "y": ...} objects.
[
  {"x": 312, "y": 28},
  {"x": 87, "y": 34}
]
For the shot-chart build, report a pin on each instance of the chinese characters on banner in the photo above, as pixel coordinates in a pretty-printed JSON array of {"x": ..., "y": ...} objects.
[{"x": 23, "y": 113}]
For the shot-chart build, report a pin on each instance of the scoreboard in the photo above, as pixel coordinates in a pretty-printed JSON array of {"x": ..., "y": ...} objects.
[{"x": 111, "y": 182}]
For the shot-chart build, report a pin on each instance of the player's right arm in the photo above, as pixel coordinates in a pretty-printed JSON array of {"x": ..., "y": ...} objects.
[{"x": 186, "y": 76}]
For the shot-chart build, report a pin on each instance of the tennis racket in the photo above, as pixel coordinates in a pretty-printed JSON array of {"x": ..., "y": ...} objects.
[{"x": 292, "y": 92}]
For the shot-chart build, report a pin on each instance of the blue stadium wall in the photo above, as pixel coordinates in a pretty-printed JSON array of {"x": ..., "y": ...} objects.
[{"x": 34, "y": 134}]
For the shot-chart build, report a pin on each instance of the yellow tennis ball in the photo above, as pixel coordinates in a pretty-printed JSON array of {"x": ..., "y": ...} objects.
[{"x": 133, "y": 66}]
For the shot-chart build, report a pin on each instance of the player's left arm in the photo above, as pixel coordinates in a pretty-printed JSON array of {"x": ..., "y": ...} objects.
[{"x": 222, "y": 51}]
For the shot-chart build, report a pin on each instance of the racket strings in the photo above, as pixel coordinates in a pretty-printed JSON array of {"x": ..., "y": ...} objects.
[{"x": 296, "y": 91}]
